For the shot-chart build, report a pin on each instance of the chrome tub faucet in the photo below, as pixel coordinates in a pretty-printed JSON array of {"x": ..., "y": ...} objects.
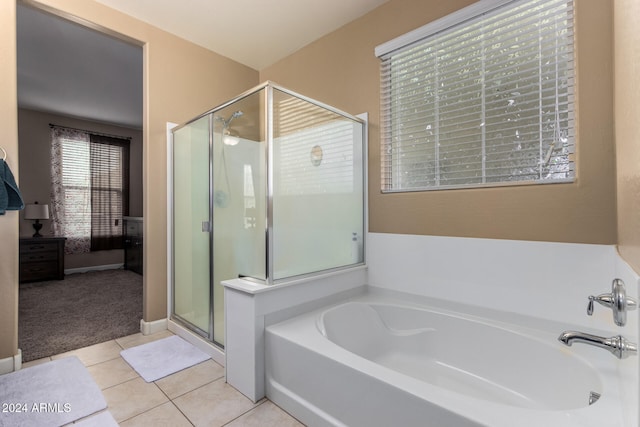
[
  {"x": 618, "y": 345},
  {"x": 619, "y": 303}
]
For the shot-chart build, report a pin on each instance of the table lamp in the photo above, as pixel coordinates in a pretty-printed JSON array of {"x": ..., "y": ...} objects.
[{"x": 37, "y": 212}]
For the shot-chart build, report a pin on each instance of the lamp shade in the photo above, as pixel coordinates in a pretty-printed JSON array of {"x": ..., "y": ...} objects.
[{"x": 36, "y": 211}]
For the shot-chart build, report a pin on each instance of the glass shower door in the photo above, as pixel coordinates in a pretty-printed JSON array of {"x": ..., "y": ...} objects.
[
  {"x": 192, "y": 227},
  {"x": 239, "y": 248}
]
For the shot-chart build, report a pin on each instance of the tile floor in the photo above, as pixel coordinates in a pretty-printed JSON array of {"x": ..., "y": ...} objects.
[{"x": 197, "y": 396}]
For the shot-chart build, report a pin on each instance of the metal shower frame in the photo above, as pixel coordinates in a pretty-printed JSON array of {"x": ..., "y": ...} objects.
[{"x": 269, "y": 152}]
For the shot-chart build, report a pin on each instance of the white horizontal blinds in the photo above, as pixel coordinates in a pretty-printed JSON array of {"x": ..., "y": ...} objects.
[
  {"x": 76, "y": 181},
  {"x": 314, "y": 148},
  {"x": 485, "y": 101}
]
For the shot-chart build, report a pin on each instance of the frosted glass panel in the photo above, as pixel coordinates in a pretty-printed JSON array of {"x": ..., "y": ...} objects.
[
  {"x": 318, "y": 216},
  {"x": 191, "y": 293}
]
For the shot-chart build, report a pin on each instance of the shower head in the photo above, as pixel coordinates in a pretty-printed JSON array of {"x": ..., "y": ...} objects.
[
  {"x": 228, "y": 121},
  {"x": 229, "y": 137}
]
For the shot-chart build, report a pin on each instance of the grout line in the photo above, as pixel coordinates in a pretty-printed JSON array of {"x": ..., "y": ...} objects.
[
  {"x": 102, "y": 361},
  {"x": 150, "y": 409},
  {"x": 87, "y": 417},
  {"x": 187, "y": 392},
  {"x": 260, "y": 403},
  {"x": 119, "y": 384},
  {"x": 190, "y": 391},
  {"x": 174, "y": 403},
  {"x": 183, "y": 414},
  {"x": 119, "y": 345},
  {"x": 198, "y": 388}
]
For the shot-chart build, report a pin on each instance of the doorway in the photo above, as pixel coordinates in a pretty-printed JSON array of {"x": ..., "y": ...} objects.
[{"x": 77, "y": 77}]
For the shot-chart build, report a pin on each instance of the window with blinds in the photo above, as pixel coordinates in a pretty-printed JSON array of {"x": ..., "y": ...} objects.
[
  {"x": 90, "y": 190},
  {"x": 483, "y": 97}
]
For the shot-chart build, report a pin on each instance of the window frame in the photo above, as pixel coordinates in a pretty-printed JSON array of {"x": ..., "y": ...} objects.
[
  {"x": 66, "y": 139},
  {"x": 452, "y": 21}
]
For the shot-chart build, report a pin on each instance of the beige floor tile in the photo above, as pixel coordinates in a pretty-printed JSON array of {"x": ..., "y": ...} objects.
[
  {"x": 35, "y": 362},
  {"x": 139, "y": 339},
  {"x": 94, "y": 354},
  {"x": 267, "y": 414},
  {"x": 190, "y": 379},
  {"x": 199, "y": 394},
  {"x": 112, "y": 372},
  {"x": 132, "y": 398},
  {"x": 101, "y": 418},
  {"x": 214, "y": 404},
  {"x": 166, "y": 415}
]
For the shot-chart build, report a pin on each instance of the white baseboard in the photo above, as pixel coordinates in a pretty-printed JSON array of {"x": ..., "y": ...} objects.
[
  {"x": 11, "y": 364},
  {"x": 148, "y": 328},
  {"x": 93, "y": 268}
]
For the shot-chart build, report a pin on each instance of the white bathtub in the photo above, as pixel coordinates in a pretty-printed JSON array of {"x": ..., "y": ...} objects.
[{"x": 381, "y": 361}]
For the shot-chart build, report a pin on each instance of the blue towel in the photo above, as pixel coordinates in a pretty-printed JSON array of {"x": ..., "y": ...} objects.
[{"x": 10, "y": 197}]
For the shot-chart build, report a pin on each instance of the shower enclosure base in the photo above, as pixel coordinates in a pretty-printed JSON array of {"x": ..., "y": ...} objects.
[{"x": 216, "y": 353}]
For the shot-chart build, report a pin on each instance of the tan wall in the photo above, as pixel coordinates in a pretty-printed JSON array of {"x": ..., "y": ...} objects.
[
  {"x": 341, "y": 70},
  {"x": 627, "y": 127},
  {"x": 181, "y": 80},
  {"x": 9, "y": 221},
  {"x": 34, "y": 136}
]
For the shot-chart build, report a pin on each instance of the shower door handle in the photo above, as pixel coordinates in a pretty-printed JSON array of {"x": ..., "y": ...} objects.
[{"x": 206, "y": 227}]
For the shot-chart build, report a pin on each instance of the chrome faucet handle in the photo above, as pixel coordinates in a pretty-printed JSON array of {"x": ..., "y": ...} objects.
[
  {"x": 602, "y": 299},
  {"x": 617, "y": 301},
  {"x": 590, "y": 305}
]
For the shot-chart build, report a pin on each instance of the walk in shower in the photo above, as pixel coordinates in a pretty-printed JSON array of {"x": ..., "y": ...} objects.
[{"x": 270, "y": 187}]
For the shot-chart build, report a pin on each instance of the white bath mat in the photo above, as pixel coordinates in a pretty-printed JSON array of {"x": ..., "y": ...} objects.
[
  {"x": 52, "y": 394},
  {"x": 164, "y": 357}
]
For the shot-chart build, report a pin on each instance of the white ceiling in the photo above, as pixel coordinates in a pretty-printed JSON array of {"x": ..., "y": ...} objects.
[{"x": 71, "y": 70}]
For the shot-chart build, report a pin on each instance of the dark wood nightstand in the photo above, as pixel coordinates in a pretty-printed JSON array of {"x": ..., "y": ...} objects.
[
  {"x": 133, "y": 238},
  {"x": 41, "y": 258}
]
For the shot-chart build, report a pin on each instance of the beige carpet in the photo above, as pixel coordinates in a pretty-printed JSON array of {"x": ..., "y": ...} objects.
[{"x": 83, "y": 309}]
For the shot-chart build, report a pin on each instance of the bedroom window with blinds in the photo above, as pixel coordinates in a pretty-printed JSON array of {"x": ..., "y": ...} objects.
[
  {"x": 482, "y": 97},
  {"x": 90, "y": 189}
]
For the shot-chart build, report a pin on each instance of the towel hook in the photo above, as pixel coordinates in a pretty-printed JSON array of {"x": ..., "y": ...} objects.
[{"x": 4, "y": 154}]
